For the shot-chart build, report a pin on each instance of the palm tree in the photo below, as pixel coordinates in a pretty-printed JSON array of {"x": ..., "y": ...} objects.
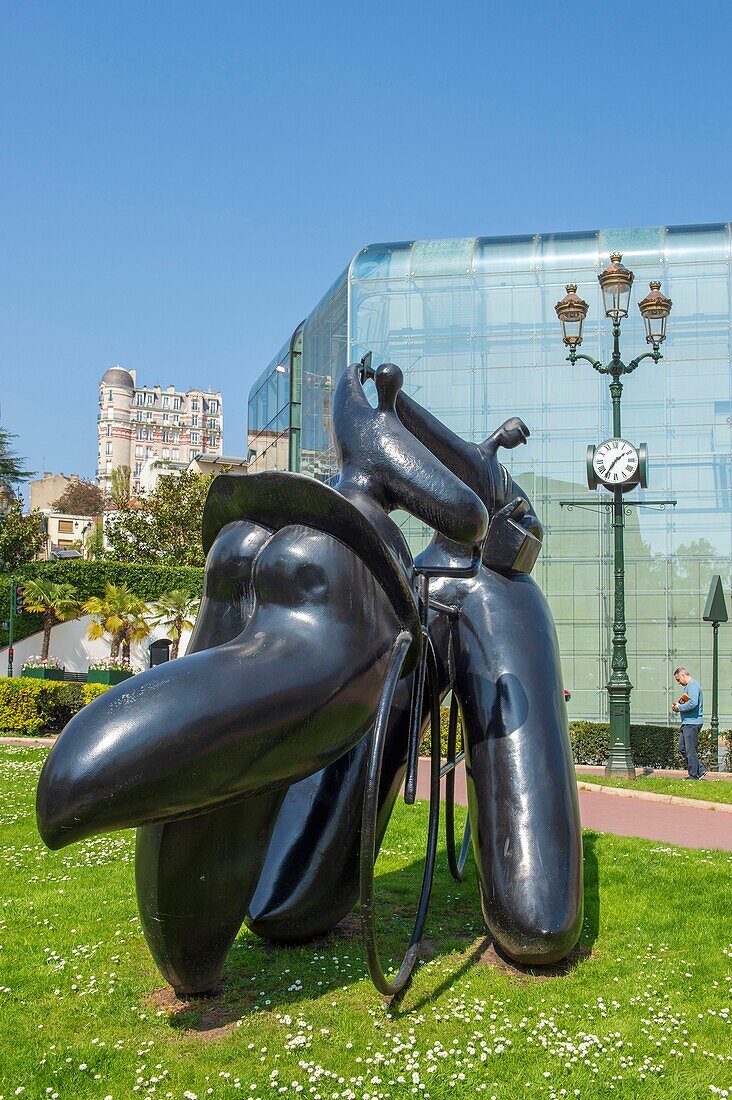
[
  {"x": 56, "y": 602},
  {"x": 120, "y": 614},
  {"x": 176, "y": 611}
]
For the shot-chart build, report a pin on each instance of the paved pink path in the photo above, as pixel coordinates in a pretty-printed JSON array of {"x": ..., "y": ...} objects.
[{"x": 688, "y": 826}]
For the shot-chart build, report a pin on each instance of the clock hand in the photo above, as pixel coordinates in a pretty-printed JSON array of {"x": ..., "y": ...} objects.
[{"x": 616, "y": 459}]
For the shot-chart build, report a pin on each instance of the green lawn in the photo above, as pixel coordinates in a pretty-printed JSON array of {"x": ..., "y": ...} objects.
[
  {"x": 709, "y": 790},
  {"x": 642, "y": 1010}
]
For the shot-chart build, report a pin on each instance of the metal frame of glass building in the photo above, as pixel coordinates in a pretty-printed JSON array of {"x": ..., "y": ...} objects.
[{"x": 471, "y": 322}]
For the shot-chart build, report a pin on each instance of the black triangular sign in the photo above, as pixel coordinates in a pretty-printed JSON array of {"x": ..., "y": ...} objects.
[{"x": 716, "y": 609}]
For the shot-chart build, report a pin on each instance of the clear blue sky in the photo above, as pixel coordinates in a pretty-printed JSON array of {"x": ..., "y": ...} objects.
[{"x": 180, "y": 182}]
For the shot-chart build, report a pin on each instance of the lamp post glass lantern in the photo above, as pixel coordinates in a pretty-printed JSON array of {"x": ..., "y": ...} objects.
[
  {"x": 571, "y": 311},
  {"x": 655, "y": 309},
  {"x": 616, "y": 282}
]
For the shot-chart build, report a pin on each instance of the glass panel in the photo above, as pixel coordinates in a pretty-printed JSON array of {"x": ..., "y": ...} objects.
[{"x": 473, "y": 326}]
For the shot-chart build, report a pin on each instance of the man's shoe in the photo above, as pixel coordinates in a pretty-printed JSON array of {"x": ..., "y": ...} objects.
[{"x": 691, "y": 777}]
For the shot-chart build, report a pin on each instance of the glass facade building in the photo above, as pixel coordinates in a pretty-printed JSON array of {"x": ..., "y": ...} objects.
[{"x": 471, "y": 322}]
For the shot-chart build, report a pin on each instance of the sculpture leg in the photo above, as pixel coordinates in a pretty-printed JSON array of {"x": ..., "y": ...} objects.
[
  {"x": 310, "y": 879},
  {"x": 194, "y": 881},
  {"x": 310, "y": 876},
  {"x": 522, "y": 791}
]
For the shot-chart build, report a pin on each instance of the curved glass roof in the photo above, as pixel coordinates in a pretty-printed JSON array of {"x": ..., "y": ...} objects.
[{"x": 557, "y": 251}]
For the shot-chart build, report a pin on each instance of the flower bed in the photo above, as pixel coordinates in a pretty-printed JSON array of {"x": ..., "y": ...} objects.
[
  {"x": 110, "y": 670},
  {"x": 43, "y": 668}
]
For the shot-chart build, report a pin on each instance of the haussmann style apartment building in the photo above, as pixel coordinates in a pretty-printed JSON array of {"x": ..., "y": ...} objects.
[
  {"x": 472, "y": 324},
  {"x": 153, "y": 430}
]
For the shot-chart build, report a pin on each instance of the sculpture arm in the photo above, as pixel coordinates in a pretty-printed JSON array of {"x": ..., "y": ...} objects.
[{"x": 462, "y": 458}]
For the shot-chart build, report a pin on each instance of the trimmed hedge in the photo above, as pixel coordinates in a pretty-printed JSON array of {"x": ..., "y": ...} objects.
[
  {"x": 651, "y": 746},
  {"x": 29, "y": 706},
  {"x": 426, "y": 747},
  {"x": 89, "y": 579}
]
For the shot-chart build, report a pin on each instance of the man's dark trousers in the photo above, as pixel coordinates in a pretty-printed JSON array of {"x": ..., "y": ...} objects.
[{"x": 688, "y": 745}]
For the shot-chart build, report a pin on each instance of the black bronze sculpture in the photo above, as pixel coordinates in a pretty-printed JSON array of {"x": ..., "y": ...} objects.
[{"x": 244, "y": 764}]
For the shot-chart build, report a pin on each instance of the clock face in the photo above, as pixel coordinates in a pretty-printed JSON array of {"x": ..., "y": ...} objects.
[{"x": 615, "y": 461}]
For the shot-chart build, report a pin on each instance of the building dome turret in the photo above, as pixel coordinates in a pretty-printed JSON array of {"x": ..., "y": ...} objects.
[{"x": 118, "y": 376}]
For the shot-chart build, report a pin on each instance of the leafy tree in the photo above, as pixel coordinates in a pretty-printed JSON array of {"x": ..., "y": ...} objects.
[
  {"x": 12, "y": 469},
  {"x": 120, "y": 488},
  {"x": 92, "y": 544},
  {"x": 81, "y": 498},
  {"x": 176, "y": 611},
  {"x": 56, "y": 602},
  {"x": 21, "y": 537},
  {"x": 162, "y": 527},
  {"x": 120, "y": 614}
]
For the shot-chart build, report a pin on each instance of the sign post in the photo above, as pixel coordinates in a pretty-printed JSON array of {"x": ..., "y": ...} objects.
[{"x": 715, "y": 613}]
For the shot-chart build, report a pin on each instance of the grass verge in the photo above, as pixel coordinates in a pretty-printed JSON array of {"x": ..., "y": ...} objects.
[
  {"x": 712, "y": 790},
  {"x": 641, "y": 1009}
]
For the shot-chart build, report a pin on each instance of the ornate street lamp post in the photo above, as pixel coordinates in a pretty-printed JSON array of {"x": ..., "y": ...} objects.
[{"x": 617, "y": 465}]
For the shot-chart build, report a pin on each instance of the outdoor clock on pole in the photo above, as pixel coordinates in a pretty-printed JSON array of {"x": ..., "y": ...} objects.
[{"x": 617, "y": 464}]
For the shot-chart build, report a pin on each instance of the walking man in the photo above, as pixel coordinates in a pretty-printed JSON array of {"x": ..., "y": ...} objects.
[{"x": 691, "y": 708}]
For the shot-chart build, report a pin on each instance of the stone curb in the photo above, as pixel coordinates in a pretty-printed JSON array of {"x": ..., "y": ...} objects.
[{"x": 651, "y": 796}]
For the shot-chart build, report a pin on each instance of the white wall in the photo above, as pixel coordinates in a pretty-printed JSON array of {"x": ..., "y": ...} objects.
[{"x": 74, "y": 650}]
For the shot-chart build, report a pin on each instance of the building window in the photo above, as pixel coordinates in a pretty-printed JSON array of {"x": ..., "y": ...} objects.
[
  {"x": 149, "y": 435},
  {"x": 176, "y": 437},
  {"x": 166, "y": 401},
  {"x": 194, "y": 405},
  {"x": 137, "y": 486},
  {"x": 166, "y": 418},
  {"x": 213, "y": 406},
  {"x": 194, "y": 421},
  {"x": 194, "y": 437},
  {"x": 150, "y": 415},
  {"x": 66, "y": 527},
  {"x": 148, "y": 452},
  {"x": 176, "y": 455},
  {"x": 166, "y": 452},
  {"x": 109, "y": 448},
  {"x": 139, "y": 433},
  {"x": 166, "y": 435},
  {"x": 176, "y": 418},
  {"x": 109, "y": 395},
  {"x": 176, "y": 402},
  {"x": 212, "y": 424},
  {"x": 138, "y": 414},
  {"x": 138, "y": 451},
  {"x": 138, "y": 469},
  {"x": 151, "y": 399},
  {"x": 140, "y": 399},
  {"x": 109, "y": 429}
]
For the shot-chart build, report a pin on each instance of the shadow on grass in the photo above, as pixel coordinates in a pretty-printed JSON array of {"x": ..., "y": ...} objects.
[
  {"x": 260, "y": 975},
  {"x": 486, "y": 952}
]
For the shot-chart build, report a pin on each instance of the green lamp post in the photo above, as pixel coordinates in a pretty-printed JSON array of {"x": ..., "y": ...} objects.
[{"x": 617, "y": 465}]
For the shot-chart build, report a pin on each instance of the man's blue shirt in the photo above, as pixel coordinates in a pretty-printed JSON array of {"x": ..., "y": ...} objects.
[{"x": 693, "y": 711}]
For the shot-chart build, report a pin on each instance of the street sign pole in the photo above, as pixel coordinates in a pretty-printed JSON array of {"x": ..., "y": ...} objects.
[
  {"x": 715, "y": 612},
  {"x": 715, "y": 697}
]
